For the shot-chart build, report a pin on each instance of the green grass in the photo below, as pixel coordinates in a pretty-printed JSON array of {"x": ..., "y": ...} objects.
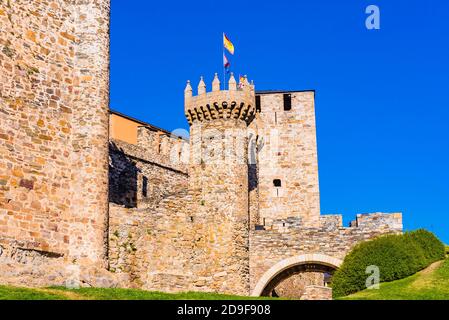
[
  {"x": 136, "y": 294},
  {"x": 431, "y": 283},
  {"x": 14, "y": 293},
  {"x": 62, "y": 293}
]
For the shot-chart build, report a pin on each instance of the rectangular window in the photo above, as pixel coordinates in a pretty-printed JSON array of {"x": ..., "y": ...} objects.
[
  {"x": 145, "y": 187},
  {"x": 287, "y": 101},
  {"x": 258, "y": 107}
]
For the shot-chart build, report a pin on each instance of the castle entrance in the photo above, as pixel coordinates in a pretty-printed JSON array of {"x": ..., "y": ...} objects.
[
  {"x": 292, "y": 282},
  {"x": 292, "y": 277}
]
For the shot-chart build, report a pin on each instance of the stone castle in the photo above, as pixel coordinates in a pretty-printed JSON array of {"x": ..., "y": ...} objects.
[{"x": 233, "y": 209}]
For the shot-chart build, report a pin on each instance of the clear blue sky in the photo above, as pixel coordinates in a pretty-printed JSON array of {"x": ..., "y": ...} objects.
[{"x": 382, "y": 96}]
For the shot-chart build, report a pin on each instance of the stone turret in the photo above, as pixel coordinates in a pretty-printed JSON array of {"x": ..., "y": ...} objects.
[
  {"x": 233, "y": 103},
  {"x": 218, "y": 179}
]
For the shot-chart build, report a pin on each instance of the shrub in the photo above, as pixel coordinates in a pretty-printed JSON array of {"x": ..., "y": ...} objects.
[
  {"x": 433, "y": 248},
  {"x": 396, "y": 256}
]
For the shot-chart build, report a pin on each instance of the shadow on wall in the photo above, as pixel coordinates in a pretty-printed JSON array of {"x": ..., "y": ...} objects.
[
  {"x": 254, "y": 147},
  {"x": 122, "y": 178}
]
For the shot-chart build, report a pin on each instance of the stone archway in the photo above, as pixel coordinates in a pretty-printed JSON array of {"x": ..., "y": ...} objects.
[{"x": 320, "y": 262}]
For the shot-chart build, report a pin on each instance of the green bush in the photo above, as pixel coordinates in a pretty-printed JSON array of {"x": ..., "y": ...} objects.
[
  {"x": 397, "y": 257},
  {"x": 447, "y": 249}
]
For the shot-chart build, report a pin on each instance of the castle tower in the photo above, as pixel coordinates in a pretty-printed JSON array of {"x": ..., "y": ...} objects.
[
  {"x": 287, "y": 162},
  {"x": 54, "y": 91},
  {"x": 218, "y": 177}
]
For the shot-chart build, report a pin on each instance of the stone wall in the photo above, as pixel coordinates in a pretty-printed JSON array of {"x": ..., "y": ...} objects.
[
  {"x": 138, "y": 177},
  {"x": 167, "y": 150},
  {"x": 295, "y": 286},
  {"x": 150, "y": 232},
  {"x": 286, "y": 238},
  {"x": 152, "y": 246},
  {"x": 169, "y": 247},
  {"x": 317, "y": 293},
  {"x": 33, "y": 268},
  {"x": 54, "y": 88},
  {"x": 195, "y": 239}
]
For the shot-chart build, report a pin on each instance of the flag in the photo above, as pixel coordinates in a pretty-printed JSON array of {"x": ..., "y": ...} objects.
[
  {"x": 228, "y": 44},
  {"x": 226, "y": 63}
]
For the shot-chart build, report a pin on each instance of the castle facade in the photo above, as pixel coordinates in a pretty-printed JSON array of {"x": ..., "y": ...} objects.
[{"x": 234, "y": 208}]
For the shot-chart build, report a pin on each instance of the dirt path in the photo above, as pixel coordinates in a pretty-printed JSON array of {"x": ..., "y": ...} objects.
[
  {"x": 425, "y": 279},
  {"x": 432, "y": 267}
]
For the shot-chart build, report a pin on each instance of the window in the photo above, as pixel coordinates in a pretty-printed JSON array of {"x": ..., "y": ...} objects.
[
  {"x": 145, "y": 187},
  {"x": 287, "y": 101},
  {"x": 277, "y": 183},
  {"x": 258, "y": 107}
]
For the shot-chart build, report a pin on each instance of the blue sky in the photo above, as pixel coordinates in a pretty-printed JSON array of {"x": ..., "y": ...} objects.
[{"x": 382, "y": 96}]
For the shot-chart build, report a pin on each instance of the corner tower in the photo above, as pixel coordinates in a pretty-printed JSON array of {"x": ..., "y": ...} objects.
[
  {"x": 218, "y": 181},
  {"x": 54, "y": 97}
]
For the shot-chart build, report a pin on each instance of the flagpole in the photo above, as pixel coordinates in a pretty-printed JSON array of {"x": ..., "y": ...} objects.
[{"x": 224, "y": 67}]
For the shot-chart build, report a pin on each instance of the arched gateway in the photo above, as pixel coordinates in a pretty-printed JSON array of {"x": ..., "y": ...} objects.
[{"x": 289, "y": 266}]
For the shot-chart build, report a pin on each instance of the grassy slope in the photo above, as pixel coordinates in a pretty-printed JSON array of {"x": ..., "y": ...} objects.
[
  {"x": 59, "y": 293},
  {"x": 431, "y": 283}
]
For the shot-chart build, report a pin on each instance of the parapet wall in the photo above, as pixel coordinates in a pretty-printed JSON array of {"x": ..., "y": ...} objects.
[
  {"x": 374, "y": 220},
  {"x": 234, "y": 103},
  {"x": 167, "y": 150}
]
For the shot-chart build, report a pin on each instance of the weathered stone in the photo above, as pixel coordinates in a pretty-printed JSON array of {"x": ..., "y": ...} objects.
[
  {"x": 65, "y": 183},
  {"x": 235, "y": 209},
  {"x": 199, "y": 239}
]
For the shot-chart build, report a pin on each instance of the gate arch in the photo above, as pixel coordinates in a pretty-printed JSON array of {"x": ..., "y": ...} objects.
[{"x": 283, "y": 265}]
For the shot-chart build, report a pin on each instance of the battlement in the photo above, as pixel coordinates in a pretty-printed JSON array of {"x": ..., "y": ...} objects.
[
  {"x": 367, "y": 221},
  {"x": 238, "y": 102},
  {"x": 372, "y": 220},
  {"x": 165, "y": 149}
]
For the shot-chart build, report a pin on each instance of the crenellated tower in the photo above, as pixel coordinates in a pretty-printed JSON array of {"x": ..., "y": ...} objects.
[{"x": 218, "y": 177}]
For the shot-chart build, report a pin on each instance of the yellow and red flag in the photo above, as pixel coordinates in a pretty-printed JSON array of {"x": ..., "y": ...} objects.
[{"x": 228, "y": 44}]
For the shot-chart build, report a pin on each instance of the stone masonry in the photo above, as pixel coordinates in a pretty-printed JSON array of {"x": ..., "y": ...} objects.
[
  {"x": 228, "y": 215},
  {"x": 54, "y": 96},
  {"x": 233, "y": 209},
  {"x": 287, "y": 140}
]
